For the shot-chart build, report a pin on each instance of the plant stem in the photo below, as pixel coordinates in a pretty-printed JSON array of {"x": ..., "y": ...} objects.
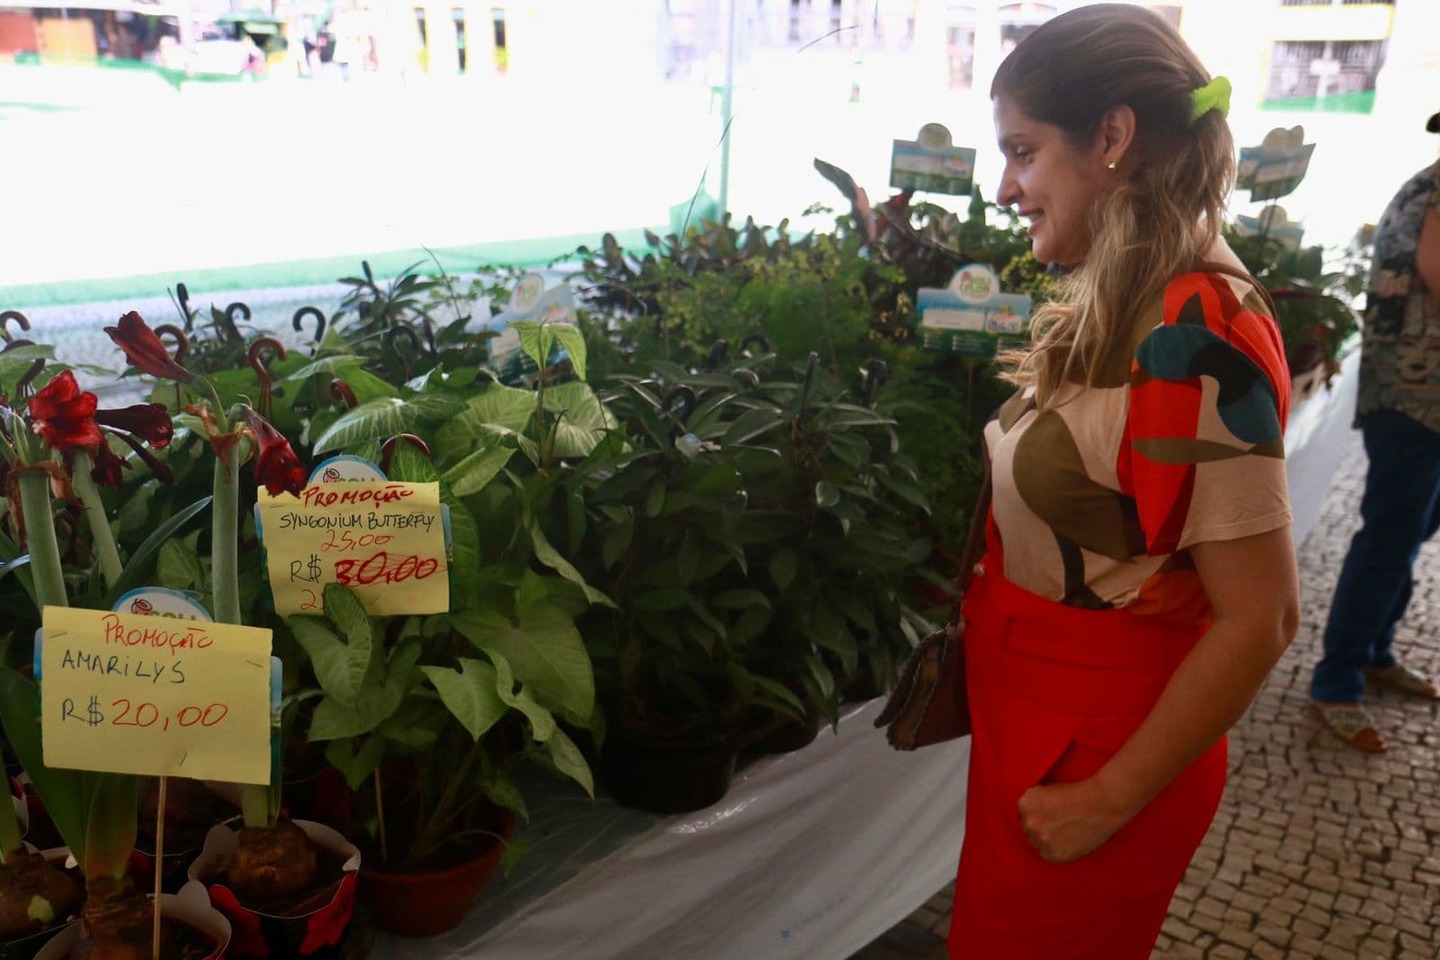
[
  {"x": 102, "y": 537},
  {"x": 40, "y": 536},
  {"x": 9, "y": 826},
  {"x": 225, "y": 537}
]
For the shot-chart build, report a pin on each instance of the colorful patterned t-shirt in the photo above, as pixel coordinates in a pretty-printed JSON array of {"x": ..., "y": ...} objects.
[
  {"x": 1400, "y": 342},
  {"x": 1097, "y": 496}
]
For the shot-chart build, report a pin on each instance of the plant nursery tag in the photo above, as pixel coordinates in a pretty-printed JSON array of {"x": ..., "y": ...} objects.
[
  {"x": 971, "y": 317},
  {"x": 1275, "y": 168},
  {"x": 932, "y": 162},
  {"x": 163, "y": 696},
  {"x": 383, "y": 539}
]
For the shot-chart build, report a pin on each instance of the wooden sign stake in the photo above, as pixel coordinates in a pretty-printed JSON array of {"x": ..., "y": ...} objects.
[{"x": 159, "y": 862}]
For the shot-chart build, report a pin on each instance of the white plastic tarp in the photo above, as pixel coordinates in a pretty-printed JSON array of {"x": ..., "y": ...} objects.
[{"x": 810, "y": 855}]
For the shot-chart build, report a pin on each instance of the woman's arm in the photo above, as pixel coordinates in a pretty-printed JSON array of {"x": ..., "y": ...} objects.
[{"x": 1254, "y": 590}]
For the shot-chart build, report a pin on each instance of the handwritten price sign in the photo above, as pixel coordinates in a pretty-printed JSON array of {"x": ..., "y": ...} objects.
[
  {"x": 127, "y": 693},
  {"x": 384, "y": 540}
]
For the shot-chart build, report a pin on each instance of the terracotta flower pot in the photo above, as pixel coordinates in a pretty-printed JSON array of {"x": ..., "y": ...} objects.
[{"x": 424, "y": 903}]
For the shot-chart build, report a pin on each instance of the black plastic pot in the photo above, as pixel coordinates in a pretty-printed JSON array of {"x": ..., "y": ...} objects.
[{"x": 665, "y": 778}]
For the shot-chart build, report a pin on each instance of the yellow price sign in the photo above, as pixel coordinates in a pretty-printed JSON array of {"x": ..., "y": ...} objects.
[
  {"x": 382, "y": 539},
  {"x": 129, "y": 693}
]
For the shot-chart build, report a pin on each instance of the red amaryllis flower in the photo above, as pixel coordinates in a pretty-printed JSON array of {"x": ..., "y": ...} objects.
[
  {"x": 145, "y": 351},
  {"x": 277, "y": 466},
  {"x": 148, "y": 421},
  {"x": 64, "y": 415}
]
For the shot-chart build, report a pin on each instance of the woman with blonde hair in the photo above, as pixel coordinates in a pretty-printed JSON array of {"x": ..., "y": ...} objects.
[{"x": 1139, "y": 578}]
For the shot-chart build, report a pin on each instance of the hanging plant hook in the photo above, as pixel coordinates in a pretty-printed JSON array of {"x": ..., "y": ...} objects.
[
  {"x": 873, "y": 377},
  {"x": 261, "y": 352},
  {"x": 760, "y": 340},
  {"x": 295, "y": 322},
  {"x": 717, "y": 353},
  {"x": 391, "y": 340},
  {"x": 16, "y": 343},
  {"x": 22, "y": 388},
  {"x": 182, "y": 342},
  {"x": 387, "y": 449},
  {"x": 22, "y": 321},
  {"x": 341, "y": 391},
  {"x": 677, "y": 405}
]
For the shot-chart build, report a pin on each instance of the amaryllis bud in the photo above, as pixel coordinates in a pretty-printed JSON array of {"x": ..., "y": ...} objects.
[
  {"x": 145, "y": 351},
  {"x": 276, "y": 465},
  {"x": 148, "y": 421}
]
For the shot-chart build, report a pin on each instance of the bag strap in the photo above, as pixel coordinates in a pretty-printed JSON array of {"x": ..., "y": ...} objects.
[
  {"x": 1212, "y": 266},
  {"x": 974, "y": 547}
]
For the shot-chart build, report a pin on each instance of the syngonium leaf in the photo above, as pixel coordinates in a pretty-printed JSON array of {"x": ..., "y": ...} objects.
[
  {"x": 345, "y": 668},
  {"x": 479, "y": 468},
  {"x": 568, "y": 759},
  {"x": 545, "y": 651},
  {"x": 497, "y": 409},
  {"x": 542, "y": 721},
  {"x": 469, "y": 693},
  {"x": 583, "y": 420},
  {"x": 385, "y": 417}
]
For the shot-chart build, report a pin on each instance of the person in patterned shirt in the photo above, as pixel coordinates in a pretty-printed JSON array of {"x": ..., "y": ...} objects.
[
  {"x": 1139, "y": 579},
  {"x": 1398, "y": 414}
]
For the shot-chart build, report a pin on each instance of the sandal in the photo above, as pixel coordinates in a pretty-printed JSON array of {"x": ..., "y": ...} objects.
[
  {"x": 1400, "y": 677},
  {"x": 1350, "y": 724}
]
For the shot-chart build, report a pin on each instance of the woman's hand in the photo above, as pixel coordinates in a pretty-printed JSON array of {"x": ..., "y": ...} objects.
[{"x": 1065, "y": 821}]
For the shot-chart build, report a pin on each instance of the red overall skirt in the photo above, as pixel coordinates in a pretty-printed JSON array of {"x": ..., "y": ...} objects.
[{"x": 1054, "y": 692}]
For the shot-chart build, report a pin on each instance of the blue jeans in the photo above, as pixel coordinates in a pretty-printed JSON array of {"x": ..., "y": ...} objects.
[{"x": 1399, "y": 510}]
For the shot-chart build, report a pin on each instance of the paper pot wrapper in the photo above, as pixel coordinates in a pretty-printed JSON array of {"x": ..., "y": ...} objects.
[
  {"x": 190, "y": 906},
  {"x": 316, "y": 921}
]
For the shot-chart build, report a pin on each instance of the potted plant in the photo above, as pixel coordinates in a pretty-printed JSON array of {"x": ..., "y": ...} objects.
[
  {"x": 427, "y": 716},
  {"x": 666, "y": 546}
]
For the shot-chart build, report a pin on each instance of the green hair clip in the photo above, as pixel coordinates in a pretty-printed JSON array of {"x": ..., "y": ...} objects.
[{"x": 1215, "y": 95}]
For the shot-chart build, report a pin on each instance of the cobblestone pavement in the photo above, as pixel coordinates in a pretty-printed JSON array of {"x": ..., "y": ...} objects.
[{"x": 1318, "y": 852}]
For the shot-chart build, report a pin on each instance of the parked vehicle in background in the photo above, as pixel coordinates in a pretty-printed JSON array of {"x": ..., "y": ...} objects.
[{"x": 220, "y": 56}]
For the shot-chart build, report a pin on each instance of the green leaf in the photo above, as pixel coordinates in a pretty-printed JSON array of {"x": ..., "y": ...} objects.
[
  {"x": 506, "y": 408},
  {"x": 464, "y": 560},
  {"x": 542, "y": 721},
  {"x": 618, "y": 536},
  {"x": 334, "y": 720},
  {"x": 469, "y": 693},
  {"x": 63, "y": 791},
  {"x": 568, "y": 759},
  {"x": 356, "y": 762},
  {"x": 138, "y": 567},
  {"x": 782, "y": 568},
  {"x": 479, "y": 468},
  {"x": 384, "y": 417},
  {"x": 548, "y": 555},
  {"x": 340, "y": 667},
  {"x": 826, "y": 495},
  {"x": 535, "y": 339},
  {"x": 658, "y": 601},
  {"x": 545, "y": 651},
  {"x": 584, "y": 421},
  {"x": 111, "y": 826},
  {"x": 178, "y": 567},
  {"x": 573, "y": 341},
  {"x": 740, "y": 599}
]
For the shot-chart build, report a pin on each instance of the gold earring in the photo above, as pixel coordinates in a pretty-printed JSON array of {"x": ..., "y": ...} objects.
[{"x": 1110, "y": 165}]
